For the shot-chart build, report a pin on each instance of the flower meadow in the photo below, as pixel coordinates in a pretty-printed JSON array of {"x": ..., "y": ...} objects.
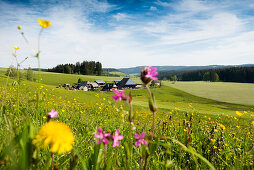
[{"x": 47, "y": 128}]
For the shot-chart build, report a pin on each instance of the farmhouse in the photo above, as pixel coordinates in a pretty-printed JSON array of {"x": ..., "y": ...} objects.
[
  {"x": 116, "y": 82},
  {"x": 155, "y": 83},
  {"x": 109, "y": 86},
  {"x": 126, "y": 83},
  {"x": 101, "y": 83},
  {"x": 83, "y": 85},
  {"x": 93, "y": 86}
]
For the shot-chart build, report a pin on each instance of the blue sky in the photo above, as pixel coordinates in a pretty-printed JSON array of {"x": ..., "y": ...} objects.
[{"x": 126, "y": 33}]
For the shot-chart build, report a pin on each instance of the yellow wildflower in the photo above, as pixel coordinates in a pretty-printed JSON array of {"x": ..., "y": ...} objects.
[
  {"x": 213, "y": 140},
  {"x": 238, "y": 127},
  {"x": 222, "y": 127},
  {"x": 15, "y": 47},
  {"x": 56, "y": 135},
  {"x": 44, "y": 23},
  {"x": 248, "y": 133},
  {"x": 215, "y": 147},
  {"x": 252, "y": 123},
  {"x": 238, "y": 113},
  {"x": 176, "y": 108},
  {"x": 216, "y": 130}
]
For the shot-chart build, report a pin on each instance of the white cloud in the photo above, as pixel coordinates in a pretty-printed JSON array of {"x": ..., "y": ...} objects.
[
  {"x": 120, "y": 16},
  {"x": 179, "y": 38},
  {"x": 153, "y": 8}
]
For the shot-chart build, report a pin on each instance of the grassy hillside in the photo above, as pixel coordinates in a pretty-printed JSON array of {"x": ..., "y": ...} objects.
[
  {"x": 214, "y": 136},
  {"x": 241, "y": 93}
]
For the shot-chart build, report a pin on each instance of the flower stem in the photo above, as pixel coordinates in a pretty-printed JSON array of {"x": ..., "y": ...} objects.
[
  {"x": 105, "y": 156},
  {"x": 52, "y": 161}
]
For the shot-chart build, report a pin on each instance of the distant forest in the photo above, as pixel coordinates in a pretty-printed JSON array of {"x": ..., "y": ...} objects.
[
  {"x": 233, "y": 74},
  {"x": 85, "y": 68}
]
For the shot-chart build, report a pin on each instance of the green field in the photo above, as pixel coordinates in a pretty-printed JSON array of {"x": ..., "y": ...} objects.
[
  {"x": 189, "y": 129},
  {"x": 240, "y": 93}
]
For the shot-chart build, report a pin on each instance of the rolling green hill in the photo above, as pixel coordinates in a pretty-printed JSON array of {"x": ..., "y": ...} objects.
[{"x": 240, "y": 93}]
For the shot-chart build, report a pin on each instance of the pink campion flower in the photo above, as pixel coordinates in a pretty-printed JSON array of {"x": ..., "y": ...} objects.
[
  {"x": 116, "y": 138},
  {"x": 119, "y": 95},
  {"x": 52, "y": 114},
  {"x": 102, "y": 137},
  {"x": 151, "y": 73},
  {"x": 140, "y": 139}
]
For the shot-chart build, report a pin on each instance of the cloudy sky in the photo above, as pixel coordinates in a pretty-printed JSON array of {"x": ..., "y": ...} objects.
[{"x": 126, "y": 33}]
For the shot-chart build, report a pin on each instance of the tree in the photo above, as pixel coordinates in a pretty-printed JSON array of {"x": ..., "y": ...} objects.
[
  {"x": 12, "y": 72},
  {"x": 206, "y": 76},
  {"x": 214, "y": 76},
  {"x": 174, "y": 78},
  {"x": 67, "y": 69},
  {"x": 29, "y": 74}
]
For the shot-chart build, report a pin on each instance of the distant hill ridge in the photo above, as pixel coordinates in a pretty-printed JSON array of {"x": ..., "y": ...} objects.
[{"x": 136, "y": 70}]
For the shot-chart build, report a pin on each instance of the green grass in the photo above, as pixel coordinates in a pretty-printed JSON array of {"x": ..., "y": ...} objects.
[
  {"x": 240, "y": 93},
  {"x": 84, "y": 112},
  {"x": 168, "y": 98}
]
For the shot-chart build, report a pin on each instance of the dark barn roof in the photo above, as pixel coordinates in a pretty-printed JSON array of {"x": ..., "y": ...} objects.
[
  {"x": 83, "y": 83},
  {"x": 126, "y": 82}
]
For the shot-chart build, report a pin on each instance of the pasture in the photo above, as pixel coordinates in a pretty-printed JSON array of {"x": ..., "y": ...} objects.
[
  {"x": 239, "y": 93},
  {"x": 190, "y": 131}
]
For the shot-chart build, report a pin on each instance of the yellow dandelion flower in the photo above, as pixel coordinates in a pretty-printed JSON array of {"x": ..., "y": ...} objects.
[
  {"x": 216, "y": 130},
  {"x": 238, "y": 127},
  {"x": 213, "y": 140},
  {"x": 176, "y": 108},
  {"x": 56, "y": 135},
  {"x": 215, "y": 147},
  {"x": 222, "y": 127},
  {"x": 238, "y": 113},
  {"x": 15, "y": 47},
  {"x": 44, "y": 23}
]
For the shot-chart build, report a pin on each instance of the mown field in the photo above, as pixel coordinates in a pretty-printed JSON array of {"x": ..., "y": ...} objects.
[
  {"x": 240, "y": 93},
  {"x": 190, "y": 131}
]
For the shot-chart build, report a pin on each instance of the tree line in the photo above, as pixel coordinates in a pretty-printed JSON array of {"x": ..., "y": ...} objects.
[
  {"x": 85, "y": 68},
  {"x": 232, "y": 74}
]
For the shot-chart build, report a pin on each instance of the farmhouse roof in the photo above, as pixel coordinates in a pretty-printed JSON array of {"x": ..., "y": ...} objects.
[
  {"x": 100, "y": 81},
  {"x": 94, "y": 84},
  {"x": 126, "y": 82},
  {"x": 83, "y": 83}
]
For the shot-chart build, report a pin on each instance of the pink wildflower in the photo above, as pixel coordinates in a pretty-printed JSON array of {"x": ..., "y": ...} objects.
[
  {"x": 102, "y": 136},
  {"x": 151, "y": 73},
  {"x": 52, "y": 114},
  {"x": 119, "y": 95},
  {"x": 140, "y": 139},
  {"x": 116, "y": 138}
]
